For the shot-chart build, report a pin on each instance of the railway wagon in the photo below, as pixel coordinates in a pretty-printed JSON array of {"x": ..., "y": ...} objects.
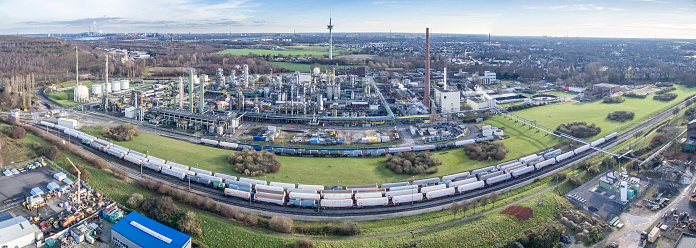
[
  {"x": 340, "y": 191},
  {"x": 336, "y": 203},
  {"x": 211, "y": 178},
  {"x": 530, "y": 158},
  {"x": 481, "y": 170},
  {"x": 337, "y": 196},
  {"x": 497, "y": 179},
  {"x": 48, "y": 124},
  {"x": 482, "y": 177},
  {"x": 464, "y": 142},
  {"x": 238, "y": 184},
  {"x": 153, "y": 158},
  {"x": 521, "y": 171},
  {"x": 228, "y": 145},
  {"x": 133, "y": 159},
  {"x": 283, "y": 185},
  {"x": 245, "y": 189},
  {"x": 455, "y": 176},
  {"x": 238, "y": 193},
  {"x": 271, "y": 189},
  {"x": 519, "y": 166},
  {"x": 199, "y": 171},
  {"x": 98, "y": 146},
  {"x": 210, "y": 142},
  {"x": 225, "y": 176},
  {"x": 302, "y": 203},
  {"x": 308, "y": 191},
  {"x": 269, "y": 198},
  {"x": 545, "y": 163},
  {"x": 432, "y": 188},
  {"x": 200, "y": 180},
  {"x": 611, "y": 136},
  {"x": 462, "y": 182},
  {"x": 597, "y": 142},
  {"x": 439, "y": 193},
  {"x": 421, "y": 182},
  {"x": 423, "y": 148},
  {"x": 116, "y": 153},
  {"x": 177, "y": 165},
  {"x": 103, "y": 142},
  {"x": 369, "y": 190},
  {"x": 403, "y": 187},
  {"x": 187, "y": 172},
  {"x": 401, "y": 192},
  {"x": 177, "y": 174},
  {"x": 509, "y": 164},
  {"x": 139, "y": 154},
  {"x": 398, "y": 149},
  {"x": 309, "y": 186},
  {"x": 153, "y": 165},
  {"x": 367, "y": 195},
  {"x": 552, "y": 153},
  {"x": 252, "y": 181},
  {"x": 366, "y": 186},
  {"x": 581, "y": 149},
  {"x": 564, "y": 156},
  {"x": 401, "y": 199},
  {"x": 470, "y": 186},
  {"x": 308, "y": 196},
  {"x": 372, "y": 202}
]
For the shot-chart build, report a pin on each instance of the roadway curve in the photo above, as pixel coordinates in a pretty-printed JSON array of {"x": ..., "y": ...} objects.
[{"x": 313, "y": 214}]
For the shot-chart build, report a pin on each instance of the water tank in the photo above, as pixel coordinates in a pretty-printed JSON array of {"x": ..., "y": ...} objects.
[
  {"x": 106, "y": 87},
  {"x": 624, "y": 191},
  {"x": 116, "y": 86},
  {"x": 81, "y": 93},
  {"x": 316, "y": 71},
  {"x": 124, "y": 84},
  {"x": 96, "y": 89}
]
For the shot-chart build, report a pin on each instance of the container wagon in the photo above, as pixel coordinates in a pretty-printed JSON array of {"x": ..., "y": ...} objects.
[
  {"x": 225, "y": 176},
  {"x": 485, "y": 169},
  {"x": 403, "y": 187},
  {"x": 432, "y": 188},
  {"x": 423, "y": 148},
  {"x": 545, "y": 163},
  {"x": 269, "y": 198},
  {"x": 209, "y": 142},
  {"x": 372, "y": 202},
  {"x": 252, "y": 181},
  {"x": 462, "y": 182},
  {"x": 399, "y": 149},
  {"x": 229, "y": 145},
  {"x": 177, "y": 165},
  {"x": 178, "y": 174},
  {"x": 283, "y": 185},
  {"x": 308, "y": 186},
  {"x": 455, "y": 176},
  {"x": 521, "y": 171},
  {"x": 426, "y": 181},
  {"x": 464, "y": 142},
  {"x": 337, "y": 203},
  {"x": 439, "y": 193},
  {"x": 237, "y": 193},
  {"x": 368, "y": 195},
  {"x": 497, "y": 179},
  {"x": 401, "y": 199},
  {"x": 470, "y": 186},
  {"x": 401, "y": 192},
  {"x": 199, "y": 171}
]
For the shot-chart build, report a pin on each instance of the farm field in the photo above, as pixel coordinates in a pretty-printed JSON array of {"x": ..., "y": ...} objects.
[
  {"x": 264, "y": 52},
  {"x": 301, "y": 67}
]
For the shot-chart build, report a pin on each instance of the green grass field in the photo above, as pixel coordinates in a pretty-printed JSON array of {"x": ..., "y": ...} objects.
[
  {"x": 71, "y": 85},
  {"x": 560, "y": 93},
  {"x": 293, "y": 66},
  {"x": 264, "y": 52},
  {"x": 64, "y": 98}
]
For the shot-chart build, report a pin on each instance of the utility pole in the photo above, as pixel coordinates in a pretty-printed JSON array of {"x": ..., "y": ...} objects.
[{"x": 78, "y": 180}]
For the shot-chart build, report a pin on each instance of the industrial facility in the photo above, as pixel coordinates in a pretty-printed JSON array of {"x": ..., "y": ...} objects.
[{"x": 136, "y": 230}]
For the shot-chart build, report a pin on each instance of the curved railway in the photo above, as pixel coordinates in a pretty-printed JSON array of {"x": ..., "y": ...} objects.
[{"x": 216, "y": 194}]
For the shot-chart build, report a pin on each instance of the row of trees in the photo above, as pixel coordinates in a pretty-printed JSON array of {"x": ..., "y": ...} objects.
[
  {"x": 254, "y": 163},
  {"x": 412, "y": 163},
  {"x": 579, "y": 129},
  {"x": 465, "y": 205},
  {"x": 486, "y": 151}
]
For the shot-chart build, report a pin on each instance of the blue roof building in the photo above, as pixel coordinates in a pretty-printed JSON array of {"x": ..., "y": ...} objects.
[{"x": 136, "y": 230}]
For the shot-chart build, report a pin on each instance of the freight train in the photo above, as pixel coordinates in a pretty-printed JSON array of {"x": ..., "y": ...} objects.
[{"x": 352, "y": 196}]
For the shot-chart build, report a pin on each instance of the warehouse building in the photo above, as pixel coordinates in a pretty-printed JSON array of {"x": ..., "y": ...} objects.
[
  {"x": 17, "y": 232},
  {"x": 136, "y": 230}
]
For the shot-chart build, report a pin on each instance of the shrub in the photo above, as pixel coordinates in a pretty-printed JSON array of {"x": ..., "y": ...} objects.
[
  {"x": 665, "y": 97},
  {"x": 664, "y": 84},
  {"x": 51, "y": 152},
  {"x": 125, "y": 132},
  {"x": 303, "y": 243},
  {"x": 575, "y": 181},
  {"x": 412, "y": 163},
  {"x": 545, "y": 235},
  {"x": 621, "y": 116},
  {"x": 254, "y": 163},
  {"x": 350, "y": 228},
  {"x": 579, "y": 129},
  {"x": 159, "y": 209},
  {"x": 135, "y": 200},
  {"x": 486, "y": 150},
  {"x": 634, "y": 95},
  {"x": 665, "y": 90},
  {"x": 281, "y": 224},
  {"x": 15, "y": 132},
  {"x": 36, "y": 145},
  {"x": 613, "y": 99},
  {"x": 190, "y": 223}
]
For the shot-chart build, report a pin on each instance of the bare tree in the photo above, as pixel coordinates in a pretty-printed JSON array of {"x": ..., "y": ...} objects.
[
  {"x": 484, "y": 201},
  {"x": 464, "y": 206},
  {"x": 454, "y": 208},
  {"x": 473, "y": 204},
  {"x": 494, "y": 197}
]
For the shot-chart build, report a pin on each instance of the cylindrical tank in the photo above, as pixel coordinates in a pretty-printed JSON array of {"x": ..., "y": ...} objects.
[
  {"x": 125, "y": 84},
  {"x": 96, "y": 89},
  {"x": 81, "y": 93},
  {"x": 624, "y": 191},
  {"x": 116, "y": 86},
  {"x": 106, "y": 87}
]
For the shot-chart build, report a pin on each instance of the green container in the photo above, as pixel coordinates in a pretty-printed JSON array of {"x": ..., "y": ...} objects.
[
  {"x": 630, "y": 193},
  {"x": 219, "y": 185}
]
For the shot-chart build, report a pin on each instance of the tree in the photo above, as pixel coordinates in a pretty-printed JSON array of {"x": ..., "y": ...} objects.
[
  {"x": 493, "y": 197},
  {"x": 454, "y": 208},
  {"x": 484, "y": 201},
  {"x": 281, "y": 224},
  {"x": 473, "y": 204},
  {"x": 135, "y": 200},
  {"x": 464, "y": 206},
  {"x": 51, "y": 152},
  {"x": 190, "y": 223}
]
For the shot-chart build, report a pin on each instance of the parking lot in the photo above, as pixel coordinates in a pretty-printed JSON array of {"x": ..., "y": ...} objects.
[{"x": 16, "y": 187}]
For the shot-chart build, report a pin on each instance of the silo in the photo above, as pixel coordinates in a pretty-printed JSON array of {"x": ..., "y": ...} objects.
[
  {"x": 107, "y": 87},
  {"x": 624, "y": 191},
  {"x": 116, "y": 86},
  {"x": 125, "y": 84},
  {"x": 96, "y": 89}
]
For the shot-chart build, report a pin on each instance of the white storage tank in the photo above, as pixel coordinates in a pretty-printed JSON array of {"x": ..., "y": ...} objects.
[
  {"x": 116, "y": 86},
  {"x": 96, "y": 89},
  {"x": 81, "y": 93},
  {"x": 125, "y": 84},
  {"x": 624, "y": 191},
  {"x": 106, "y": 87}
]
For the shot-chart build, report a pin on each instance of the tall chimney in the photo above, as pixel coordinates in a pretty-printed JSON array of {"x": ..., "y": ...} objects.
[
  {"x": 191, "y": 100},
  {"x": 202, "y": 98},
  {"x": 444, "y": 80},
  {"x": 426, "y": 99},
  {"x": 181, "y": 94}
]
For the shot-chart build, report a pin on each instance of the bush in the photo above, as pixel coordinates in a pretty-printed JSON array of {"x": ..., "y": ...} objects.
[
  {"x": 545, "y": 235},
  {"x": 613, "y": 99},
  {"x": 303, "y": 243},
  {"x": 575, "y": 181},
  {"x": 160, "y": 209},
  {"x": 350, "y": 228},
  {"x": 665, "y": 90},
  {"x": 664, "y": 84},
  {"x": 579, "y": 129},
  {"x": 665, "y": 97},
  {"x": 634, "y": 95},
  {"x": 135, "y": 200},
  {"x": 281, "y": 224},
  {"x": 190, "y": 223},
  {"x": 412, "y": 163},
  {"x": 51, "y": 152},
  {"x": 254, "y": 163},
  {"x": 621, "y": 116},
  {"x": 486, "y": 151},
  {"x": 125, "y": 132},
  {"x": 15, "y": 132},
  {"x": 36, "y": 145}
]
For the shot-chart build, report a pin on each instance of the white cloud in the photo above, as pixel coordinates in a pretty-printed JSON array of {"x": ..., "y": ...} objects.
[{"x": 572, "y": 7}]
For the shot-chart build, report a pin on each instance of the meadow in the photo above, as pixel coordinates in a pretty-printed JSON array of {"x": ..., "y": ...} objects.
[{"x": 264, "y": 52}]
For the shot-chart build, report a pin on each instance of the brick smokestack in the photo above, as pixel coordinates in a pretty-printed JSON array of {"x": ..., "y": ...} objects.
[{"x": 427, "y": 69}]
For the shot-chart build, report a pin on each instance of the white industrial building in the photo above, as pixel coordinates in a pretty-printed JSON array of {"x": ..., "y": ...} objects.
[
  {"x": 18, "y": 232},
  {"x": 479, "y": 99},
  {"x": 69, "y": 123},
  {"x": 447, "y": 101}
]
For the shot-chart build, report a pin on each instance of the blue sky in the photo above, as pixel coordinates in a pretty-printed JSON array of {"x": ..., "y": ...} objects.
[{"x": 585, "y": 18}]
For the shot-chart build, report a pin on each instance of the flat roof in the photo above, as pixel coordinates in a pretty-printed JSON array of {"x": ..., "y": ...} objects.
[
  {"x": 146, "y": 232},
  {"x": 686, "y": 241},
  {"x": 14, "y": 228}
]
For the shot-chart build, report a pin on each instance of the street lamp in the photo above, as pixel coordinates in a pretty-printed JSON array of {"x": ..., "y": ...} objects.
[{"x": 412, "y": 181}]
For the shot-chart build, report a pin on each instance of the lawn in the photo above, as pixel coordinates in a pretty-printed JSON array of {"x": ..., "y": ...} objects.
[
  {"x": 64, "y": 98},
  {"x": 293, "y": 66},
  {"x": 71, "y": 85},
  {"x": 264, "y": 52},
  {"x": 560, "y": 93}
]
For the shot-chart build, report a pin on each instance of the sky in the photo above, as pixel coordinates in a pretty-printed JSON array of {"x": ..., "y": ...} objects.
[{"x": 574, "y": 18}]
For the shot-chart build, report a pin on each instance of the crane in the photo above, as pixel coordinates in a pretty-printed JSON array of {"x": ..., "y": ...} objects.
[{"x": 78, "y": 179}]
